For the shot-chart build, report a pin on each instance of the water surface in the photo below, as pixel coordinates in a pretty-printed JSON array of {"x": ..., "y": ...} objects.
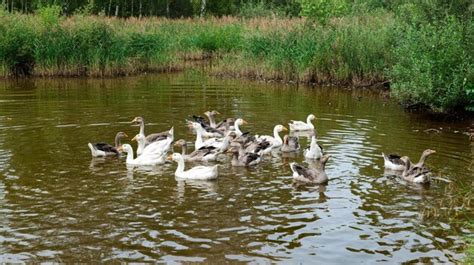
[{"x": 59, "y": 204}]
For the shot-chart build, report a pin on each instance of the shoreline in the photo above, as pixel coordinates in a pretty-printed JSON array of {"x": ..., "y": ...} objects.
[{"x": 382, "y": 89}]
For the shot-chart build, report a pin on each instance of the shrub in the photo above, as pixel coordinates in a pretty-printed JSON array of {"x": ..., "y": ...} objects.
[{"x": 432, "y": 66}]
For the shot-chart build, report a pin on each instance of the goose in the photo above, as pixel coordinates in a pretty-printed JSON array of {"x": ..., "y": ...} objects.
[
  {"x": 226, "y": 125},
  {"x": 104, "y": 149},
  {"x": 151, "y": 157},
  {"x": 206, "y": 130},
  {"x": 197, "y": 173},
  {"x": 237, "y": 125},
  {"x": 275, "y": 140},
  {"x": 256, "y": 147},
  {"x": 209, "y": 129},
  {"x": 315, "y": 175},
  {"x": 251, "y": 144},
  {"x": 290, "y": 144},
  {"x": 142, "y": 142},
  {"x": 221, "y": 143},
  {"x": 315, "y": 151},
  {"x": 206, "y": 153},
  {"x": 151, "y": 137},
  {"x": 415, "y": 174},
  {"x": 242, "y": 159},
  {"x": 212, "y": 119},
  {"x": 302, "y": 126},
  {"x": 395, "y": 163}
]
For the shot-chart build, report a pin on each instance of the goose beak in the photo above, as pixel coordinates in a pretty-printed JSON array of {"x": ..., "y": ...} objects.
[
  {"x": 125, "y": 135},
  {"x": 285, "y": 129},
  {"x": 217, "y": 112},
  {"x": 120, "y": 149},
  {"x": 134, "y": 120},
  {"x": 134, "y": 138},
  {"x": 170, "y": 157},
  {"x": 230, "y": 150},
  {"x": 244, "y": 122}
]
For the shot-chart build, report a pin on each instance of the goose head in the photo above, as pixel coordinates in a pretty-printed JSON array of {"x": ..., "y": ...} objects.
[
  {"x": 325, "y": 159},
  {"x": 195, "y": 125},
  {"x": 138, "y": 120},
  {"x": 311, "y": 117},
  {"x": 233, "y": 149},
  {"x": 428, "y": 152},
  {"x": 240, "y": 121},
  {"x": 180, "y": 142},
  {"x": 125, "y": 148},
  {"x": 175, "y": 157},
  {"x": 211, "y": 113},
  {"x": 139, "y": 138},
  {"x": 121, "y": 135},
  {"x": 280, "y": 128}
]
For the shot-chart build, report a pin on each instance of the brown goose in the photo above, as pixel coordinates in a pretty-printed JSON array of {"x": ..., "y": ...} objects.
[
  {"x": 104, "y": 149},
  {"x": 414, "y": 173},
  {"x": 394, "y": 161},
  {"x": 205, "y": 153},
  {"x": 315, "y": 175},
  {"x": 290, "y": 144},
  {"x": 243, "y": 159}
]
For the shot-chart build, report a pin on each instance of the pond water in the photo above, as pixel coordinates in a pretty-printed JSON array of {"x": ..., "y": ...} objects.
[{"x": 59, "y": 204}]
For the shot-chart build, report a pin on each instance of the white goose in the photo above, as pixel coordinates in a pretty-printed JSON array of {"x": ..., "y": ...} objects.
[
  {"x": 219, "y": 143},
  {"x": 315, "y": 150},
  {"x": 147, "y": 158},
  {"x": 274, "y": 140},
  {"x": 237, "y": 124},
  {"x": 301, "y": 125},
  {"x": 197, "y": 173},
  {"x": 142, "y": 142}
]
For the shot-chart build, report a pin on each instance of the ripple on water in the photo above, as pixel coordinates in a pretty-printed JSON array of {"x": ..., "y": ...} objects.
[{"x": 58, "y": 204}]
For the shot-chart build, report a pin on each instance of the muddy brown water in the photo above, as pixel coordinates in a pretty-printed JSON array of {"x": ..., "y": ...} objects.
[{"x": 59, "y": 204}]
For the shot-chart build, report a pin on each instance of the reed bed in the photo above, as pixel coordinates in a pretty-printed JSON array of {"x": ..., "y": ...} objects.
[
  {"x": 349, "y": 51},
  {"x": 356, "y": 50}
]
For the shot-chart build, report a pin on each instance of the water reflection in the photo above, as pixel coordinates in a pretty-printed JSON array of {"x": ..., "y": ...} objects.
[{"x": 58, "y": 204}]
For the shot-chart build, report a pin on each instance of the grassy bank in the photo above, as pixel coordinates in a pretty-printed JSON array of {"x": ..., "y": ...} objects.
[{"x": 434, "y": 70}]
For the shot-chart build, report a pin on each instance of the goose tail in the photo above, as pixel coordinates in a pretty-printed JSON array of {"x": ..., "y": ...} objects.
[{"x": 94, "y": 152}]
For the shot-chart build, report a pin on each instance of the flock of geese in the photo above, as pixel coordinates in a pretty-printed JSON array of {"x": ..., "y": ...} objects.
[{"x": 216, "y": 140}]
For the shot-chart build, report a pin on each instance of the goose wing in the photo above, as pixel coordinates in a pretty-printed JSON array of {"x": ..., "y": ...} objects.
[
  {"x": 156, "y": 137},
  {"x": 302, "y": 171},
  {"x": 201, "y": 121},
  {"x": 105, "y": 147},
  {"x": 251, "y": 157},
  {"x": 298, "y": 123},
  {"x": 394, "y": 158}
]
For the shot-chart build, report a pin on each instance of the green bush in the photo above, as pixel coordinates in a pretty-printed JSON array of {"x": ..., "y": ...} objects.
[
  {"x": 432, "y": 65},
  {"x": 323, "y": 10},
  {"x": 16, "y": 49}
]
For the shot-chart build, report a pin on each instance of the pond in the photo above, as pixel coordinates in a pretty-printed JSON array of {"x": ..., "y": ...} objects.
[{"x": 59, "y": 204}]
